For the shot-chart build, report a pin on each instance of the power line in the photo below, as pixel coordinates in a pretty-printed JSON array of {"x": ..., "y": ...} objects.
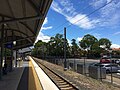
[
  {"x": 70, "y": 18},
  {"x": 84, "y": 16},
  {"x": 90, "y": 13},
  {"x": 81, "y": 18}
]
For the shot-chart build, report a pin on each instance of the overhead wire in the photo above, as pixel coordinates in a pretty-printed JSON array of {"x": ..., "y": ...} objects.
[
  {"x": 86, "y": 15},
  {"x": 89, "y": 14},
  {"x": 80, "y": 18},
  {"x": 70, "y": 18}
]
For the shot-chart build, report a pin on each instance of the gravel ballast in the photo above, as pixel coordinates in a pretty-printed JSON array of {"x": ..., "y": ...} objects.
[{"x": 83, "y": 82}]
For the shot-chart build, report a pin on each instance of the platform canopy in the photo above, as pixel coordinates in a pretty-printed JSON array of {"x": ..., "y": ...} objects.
[{"x": 21, "y": 20}]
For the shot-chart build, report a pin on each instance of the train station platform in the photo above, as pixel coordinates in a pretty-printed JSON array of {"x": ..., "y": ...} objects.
[{"x": 28, "y": 76}]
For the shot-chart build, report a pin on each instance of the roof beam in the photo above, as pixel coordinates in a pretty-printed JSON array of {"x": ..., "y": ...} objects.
[
  {"x": 20, "y": 23},
  {"x": 20, "y": 39},
  {"x": 23, "y": 46},
  {"x": 21, "y": 19},
  {"x": 16, "y": 31},
  {"x": 19, "y": 32},
  {"x": 34, "y": 6},
  {"x": 27, "y": 27}
]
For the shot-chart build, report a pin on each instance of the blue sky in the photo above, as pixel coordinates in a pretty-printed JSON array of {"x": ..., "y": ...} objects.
[{"x": 73, "y": 14}]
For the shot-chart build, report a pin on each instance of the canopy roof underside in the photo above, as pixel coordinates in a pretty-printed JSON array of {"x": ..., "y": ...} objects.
[{"x": 21, "y": 20}]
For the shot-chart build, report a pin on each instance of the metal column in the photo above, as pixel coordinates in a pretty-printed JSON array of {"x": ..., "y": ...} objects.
[
  {"x": 65, "y": 62},
  {"x": 11, "y": 54},
  {"x": 2, "y": 48},
  {"x": 16, "y": 59}
]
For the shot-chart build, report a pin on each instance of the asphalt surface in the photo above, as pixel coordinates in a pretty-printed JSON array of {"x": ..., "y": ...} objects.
[{"x": 23, "y": 84}]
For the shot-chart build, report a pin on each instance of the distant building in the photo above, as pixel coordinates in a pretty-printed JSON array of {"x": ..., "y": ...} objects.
[{"x": 116, "y": 49}]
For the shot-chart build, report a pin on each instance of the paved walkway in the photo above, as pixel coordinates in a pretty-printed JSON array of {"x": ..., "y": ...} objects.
[
  {"x": 21, "y": 78},
  {"x": 23, "y": 84},
  {"x": 11, "y": 80}
]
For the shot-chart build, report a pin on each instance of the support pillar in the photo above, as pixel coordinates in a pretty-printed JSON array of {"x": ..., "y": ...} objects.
[
  {"x": 16, "y": 59},
  {"x": 1, "y": 48},
  {"x": 11, "y": 61}
]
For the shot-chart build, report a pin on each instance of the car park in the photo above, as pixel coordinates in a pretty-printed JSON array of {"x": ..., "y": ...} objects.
[
  {"x": 114, "y": 68},
  {"x": 105, "y": 60},
  {"x": 116, "y": 61}
]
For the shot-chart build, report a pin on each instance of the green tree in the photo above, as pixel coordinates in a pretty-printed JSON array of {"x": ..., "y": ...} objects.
[
  {"x": 74, "y": 48},
  {"x": 95, "y": 50},
  {"x": 88, "y": 41},
  {"x": 56, "y": 46},
  {"x": 106, "y": 42},
  {"x": 40, "y": 48}
]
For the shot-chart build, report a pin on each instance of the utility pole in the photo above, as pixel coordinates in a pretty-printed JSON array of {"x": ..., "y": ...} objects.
[{"x": 65, "y": 63}]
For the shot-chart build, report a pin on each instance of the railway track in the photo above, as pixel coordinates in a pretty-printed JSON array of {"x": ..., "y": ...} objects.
[{"x": 61, "y": 83}]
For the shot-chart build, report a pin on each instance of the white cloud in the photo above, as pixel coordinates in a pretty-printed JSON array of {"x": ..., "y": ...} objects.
[
  {"x": 46, "y": 28},
  {"x": 69, "y": 41},
  {"x": 45, "y": 21},
  {"x": 56, "y": 7},
  {"x": 41, "y": 36},
  {"x": 97, "y": 35},
  {"x": 65, "y": 8},
  {"x": 106, "y": 18},
  {"x": 97, "y": 3},
  {"x": 79, "y": 39},
  {"x": 115, "y": 46},
  {"x": 116, "y": 33},
  {"x": 110, "y": 14},
  {"x": 79, "y": 21}
]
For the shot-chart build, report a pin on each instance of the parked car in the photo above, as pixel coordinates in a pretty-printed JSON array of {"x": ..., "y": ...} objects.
[
  {"x": 116, "y": 61},
  {"x": 105, "y": 60},
  {"x": 107, "y": 66}
]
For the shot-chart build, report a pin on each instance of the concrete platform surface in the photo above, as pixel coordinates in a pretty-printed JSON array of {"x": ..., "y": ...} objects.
[
  {"x": 11, "y": 80},
  {"x": 21, "y": 78},
  {"x": 46, "y": 82}
]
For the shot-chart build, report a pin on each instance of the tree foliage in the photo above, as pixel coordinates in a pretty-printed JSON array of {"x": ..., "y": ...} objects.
[
  {"x": 106, "y": 42},
  {"x": 88, "y": 41},
  {"x": 74, "y": 48},
  {"x": 55, "y": 47}
]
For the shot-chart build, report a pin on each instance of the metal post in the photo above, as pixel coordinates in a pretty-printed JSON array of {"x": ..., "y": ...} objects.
[
  {"x": 111, "y": 69},
  {"x": 65, "y": 63},
  {"x": 16, "y": 59},
  {"x": 84, "y": 66},
  {"x": 11, "y": 54},
  {"x": 100, "y": 72},
  {"x": 74, "y": 64},
  {"x": 5, "y": 54},
  {"x": 2, "y": 47}
]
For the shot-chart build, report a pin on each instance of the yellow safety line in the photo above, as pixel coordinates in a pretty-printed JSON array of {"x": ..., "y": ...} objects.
[{"x": 34, "y": 83}]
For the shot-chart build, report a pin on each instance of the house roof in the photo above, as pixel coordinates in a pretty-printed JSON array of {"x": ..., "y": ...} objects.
[{"x": 116, "y": 49}]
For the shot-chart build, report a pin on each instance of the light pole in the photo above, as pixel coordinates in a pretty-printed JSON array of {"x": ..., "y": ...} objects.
[{"x": 65, "y": 62}]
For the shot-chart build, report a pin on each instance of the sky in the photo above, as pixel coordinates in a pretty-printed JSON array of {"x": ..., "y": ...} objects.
[{"x": 81, "y": 17}]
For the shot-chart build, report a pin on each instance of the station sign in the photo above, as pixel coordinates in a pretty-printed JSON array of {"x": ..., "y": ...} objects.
[{"x": 9, "y": 45}]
